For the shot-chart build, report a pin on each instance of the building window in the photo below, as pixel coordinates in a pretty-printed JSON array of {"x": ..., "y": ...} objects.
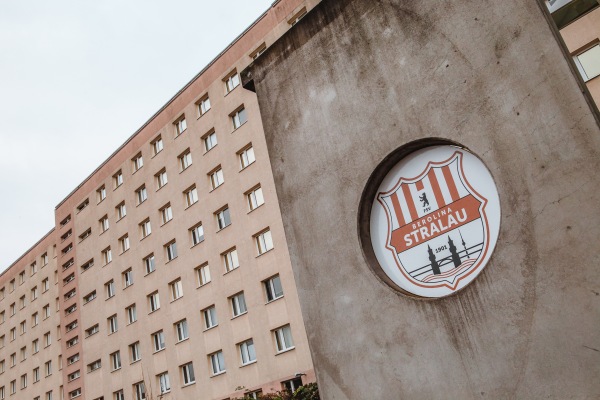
[
  {"x": 36, "y": 374},
  {"x": 164, "y": 383},
  {"x": 140, "y": 391},
  {"x": 48, "y": 368},
  {"x": 118, "y": 395},
  {"x": 176, "y": 288},
  {"x": 210, "y": 317},
  {"x": 101, "y": 193},
  {"x": 73, "y": 376},
  {"x": 238, "y": 304},
  {"x": 131, "y": 314},
  {"x": 217, "y": 362},
  {"x": 124, "y": 243},
  {"x": 121, "y": 211},
  {"x": 138, "y": 162},
  {"x": 49, "y": 395},
  {"x": 154, "y": 301},
  {"x": 83, "y": 205},
  {"x": 71, "y": 309},
  {"x": 115, "y": 360},
  {"x": 34, "y": 293},
  {"x": 181, "y": 329},
  {"x": 283, "y": 338},
  {"x": 171, "y": 250},
  {"x": 223, "y": 218},
  {"x": 185, "y": 160},
  {"x": 588, "y": 62},
  {"x": 210, "y": 140},
  {"x": 166, "y": 213},
  {"x": 92, "y": 330},
  {"x": 113, "y": 325},
  {"x": 231, "y": 81},
  {"x": 86, "y": 234},
  {"x": 259, "y": 50},
  {"x": 191, "y": 196},
  {"x": 46, "y": 311},
  {"x": 94, "y": 365},
  {"x": 180, "y": 125},
  {"x": 141, "y": 194},
  {"x": 127, "y": 278},
  {"x": 264, "y": 242},
  {"x": 145, "y": 228},
  {"x": 104, "y": 224},
  {"x": 13, "y": 387},
  {"x": 71, "y": 326},
  {"x": 197, "y": 233},
  {"x": 292, "y": 385},
  {"x": 297, "y": 17},
  {"x": 89, "y": 297},
  {"x": 187, "y": 372},
  {"x": 246, "y": 157},
  {"x": 255, "y": 395},
  {"x": 158, "y": 340},
  {"x": 216, "y": 178},
  {"x": 75, "y": 393},
  {"x": 161, "y": 179},
  {"x": 23, "y": 381},
  {"x": 33, "y": 266},
  {"x": 62, "y": 238},
  {"x": 87, "y": 265},
  {"x": 255, "y": 198},
  {"x": 203, "y": 105},
  {"x": 106, "y": 255},
  {"x": 72, "y": 342},
  {"x": 239, "y": 118},
  {"x": 157, "y": 145},
  {"x": 273, "y": 288},
  {"x": 35, "y": 346},
  {"x": 247, "y": 352},
  {"x": 203, "y": 273},
  {"x": 118, "y": 179},
  {"x": 109, "y": 288},
  {"x": 134, "y": 352},
  {"x": 230, "y": 259},
  {"x": 149, "y": 264},
  {"x": 73, "y": 359},
  {"x": 23, "y": 353}
]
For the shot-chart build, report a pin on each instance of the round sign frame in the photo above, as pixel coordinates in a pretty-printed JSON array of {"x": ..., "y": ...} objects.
[{"x": 435, "y": 203}]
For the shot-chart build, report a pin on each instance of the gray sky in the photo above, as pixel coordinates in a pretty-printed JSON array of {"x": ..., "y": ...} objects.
[{"x": 78, "y": 77}]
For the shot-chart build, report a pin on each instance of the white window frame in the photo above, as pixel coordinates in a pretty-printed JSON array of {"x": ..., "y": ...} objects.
[
  {"x": 187, "y": 373},
  {"x": 231, "y": 81},
  {"x": 210, "y": 317},
  {"x": 203, "y": 273},
  {"x": 283, "y": 339},
  {"x": 238, "y": 304},
  {"x": 166, "y": 213},
  {"x": 264, "y": 242},
  {"x": 176, "y": 289},
  {"x": 271, "y": 291},
  {"x": 191, "y": 196},
  {"x": 216, "y": 178},
  {"x": 247, "y": 157},
  {"x": 239, "y": 118},
  {"x": 185, "y": 160},
  {"x": 164, "y": 383},
  {"x": 255, "y": 198},
  {"x": 149, "y": 263},
  {"x": 203, "y": 105},
  {"x": 217, "y": 362},
  {"x": 580, "y": 66},
  {"x": 171, "y": 250},
  {"x": 247, "y": 352},
  {"x": 197, "y": 233},
  {"x": 231, "y": 260},
  {"x": 223, "y": 218},
  {"x": 210, "y": 141},
  {"x": 182, "y": 330},
  {"x": 158, "y": 341},
  {"x": 154, "y": 301}
]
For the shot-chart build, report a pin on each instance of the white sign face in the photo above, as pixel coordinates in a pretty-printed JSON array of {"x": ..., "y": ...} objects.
[{"x": 435, "y": 221}]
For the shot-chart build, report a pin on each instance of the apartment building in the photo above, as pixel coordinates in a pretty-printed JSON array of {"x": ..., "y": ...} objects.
[
  {"x": 579, "y": 25},
  {"x": 167, "y": 273}
]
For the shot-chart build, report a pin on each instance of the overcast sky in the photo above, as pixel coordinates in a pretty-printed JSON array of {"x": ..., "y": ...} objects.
[{"x": 78, "y": 77}]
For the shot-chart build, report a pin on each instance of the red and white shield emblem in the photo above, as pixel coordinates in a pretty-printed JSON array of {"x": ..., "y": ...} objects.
[{"x": 435, "y": 209}]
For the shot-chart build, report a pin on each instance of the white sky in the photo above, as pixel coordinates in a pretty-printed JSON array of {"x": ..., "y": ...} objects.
[{"x": 78, "y": 77}]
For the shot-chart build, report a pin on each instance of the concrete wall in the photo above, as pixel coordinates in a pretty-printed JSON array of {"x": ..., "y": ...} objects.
[{"x": 358, "y": 79}]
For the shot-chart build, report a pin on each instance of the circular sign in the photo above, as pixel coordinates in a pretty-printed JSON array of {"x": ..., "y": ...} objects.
[{"x": 435, "y": 221}]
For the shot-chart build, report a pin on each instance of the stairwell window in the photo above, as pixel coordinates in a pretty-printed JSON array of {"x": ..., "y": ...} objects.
[
  {"x": 239, "y": 117},
  {"x": 231, "y": 81}
]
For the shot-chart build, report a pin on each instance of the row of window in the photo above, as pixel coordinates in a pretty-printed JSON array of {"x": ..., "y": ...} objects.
[
  {"x": 22, "y": 300},
  {"x": 12, "y": 285},
  {"x": 216, "y": 361}
]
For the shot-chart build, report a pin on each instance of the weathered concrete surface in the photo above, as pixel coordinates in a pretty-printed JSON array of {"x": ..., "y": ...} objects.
[{"x": 357, "y": 79}]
